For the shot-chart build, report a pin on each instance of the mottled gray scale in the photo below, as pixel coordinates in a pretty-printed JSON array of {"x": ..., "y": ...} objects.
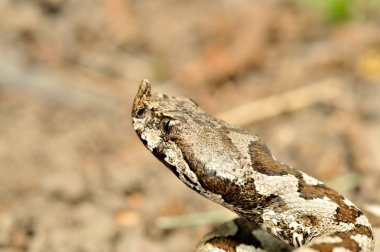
[{"x": 233, "y": 167}]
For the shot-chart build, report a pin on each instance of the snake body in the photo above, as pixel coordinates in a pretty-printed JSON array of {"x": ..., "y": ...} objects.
[{"x": 234, "y": 168}]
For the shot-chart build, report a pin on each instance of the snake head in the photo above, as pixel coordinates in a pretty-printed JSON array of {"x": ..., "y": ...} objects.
[
  {"x": 160, "y": 121},
  {"x": 184, "y": 137}
]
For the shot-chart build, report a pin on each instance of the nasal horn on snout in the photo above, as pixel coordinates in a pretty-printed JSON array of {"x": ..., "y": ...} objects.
[
  {"x": 144, "y": 89},
  {"x": 142, "y": 93}
]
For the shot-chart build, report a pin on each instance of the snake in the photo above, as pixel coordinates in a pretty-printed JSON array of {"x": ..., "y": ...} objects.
[{"x": 233, "y": 167}]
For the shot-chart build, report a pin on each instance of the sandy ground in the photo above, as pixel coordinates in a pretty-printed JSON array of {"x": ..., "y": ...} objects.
[{"x": 73, "y": 175}]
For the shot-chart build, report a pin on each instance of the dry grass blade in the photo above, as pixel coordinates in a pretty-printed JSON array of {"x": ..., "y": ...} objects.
[
  {"x": 346, "y": 182},
  {"x": 286, "y": 102},
  {"x": 194, "y": 219},
  {"x": 373, "y": 209},
  {"x": 377, "y": 239}
]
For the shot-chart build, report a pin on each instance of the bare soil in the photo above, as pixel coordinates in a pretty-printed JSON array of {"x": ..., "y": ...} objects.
[{"x": 73, "y": 174}]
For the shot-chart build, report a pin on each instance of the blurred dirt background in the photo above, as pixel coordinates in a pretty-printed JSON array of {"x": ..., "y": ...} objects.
[{"x": 74, "y": 176}]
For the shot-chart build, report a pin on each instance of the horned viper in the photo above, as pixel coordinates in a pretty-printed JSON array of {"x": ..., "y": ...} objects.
[{"x": 234, "y": 168}]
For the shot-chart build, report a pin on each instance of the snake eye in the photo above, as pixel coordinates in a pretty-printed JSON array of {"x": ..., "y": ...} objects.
[
  {"x": 167, "y": 125},
  {"x": 141, "y": 113}
]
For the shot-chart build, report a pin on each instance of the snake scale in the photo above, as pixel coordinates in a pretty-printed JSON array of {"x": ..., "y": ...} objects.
[{"x": 234, "y": 168}]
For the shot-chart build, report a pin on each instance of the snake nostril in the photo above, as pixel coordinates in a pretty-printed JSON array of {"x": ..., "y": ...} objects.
[{"x": 141, "y": 113}]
